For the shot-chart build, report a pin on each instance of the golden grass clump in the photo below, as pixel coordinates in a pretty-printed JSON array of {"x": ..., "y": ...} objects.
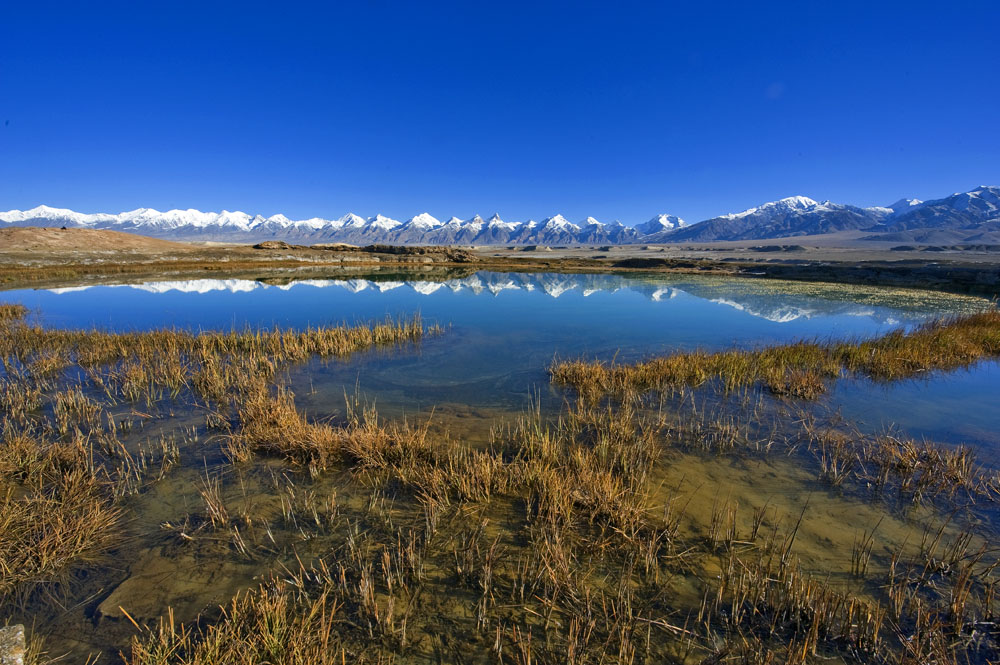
[
  {"x": 798, "y": 369},
  {"x": 899, "y": 467},
  {"x": 64, "y": 470},
  {"x": 269, "y": 423},
  {"x": 56, "y": 513},
  {"x": 12, "y": 312},
  {"x": 266, "y": 625}
]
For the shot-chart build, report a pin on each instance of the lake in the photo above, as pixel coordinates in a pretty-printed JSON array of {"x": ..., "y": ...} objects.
[
  {"x": 504, "y": 329},
  {"x": 483, "y": 368}
]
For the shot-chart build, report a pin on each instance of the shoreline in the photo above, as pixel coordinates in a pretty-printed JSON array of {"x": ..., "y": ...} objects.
[{"x": 48, "y": 267}]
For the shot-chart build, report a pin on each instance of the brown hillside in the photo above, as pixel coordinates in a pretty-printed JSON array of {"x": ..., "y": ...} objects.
[{"x": 31, "y": 239}]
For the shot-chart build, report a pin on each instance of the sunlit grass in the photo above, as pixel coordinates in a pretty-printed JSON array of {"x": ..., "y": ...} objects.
[
  {"x": 798, "y": 369},
  {"x": 556, "y": 543},
  {"x": 65, "y": 471}
]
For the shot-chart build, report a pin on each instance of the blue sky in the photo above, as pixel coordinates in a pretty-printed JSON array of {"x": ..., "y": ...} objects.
[{"x": 618, "y": 110}]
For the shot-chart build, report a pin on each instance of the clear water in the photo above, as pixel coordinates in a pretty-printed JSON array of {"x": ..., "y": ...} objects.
[
  {"x": 955, "y": 407},
  {"x": 504, "y": 329},
  {"x": 501, "y": 332}
]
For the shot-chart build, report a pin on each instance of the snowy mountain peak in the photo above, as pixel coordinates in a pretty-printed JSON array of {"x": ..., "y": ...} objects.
[
  {"x": 590, "y": 221},
  {"x": 558, "y": 221},
  {"x": 958, "y": 211},
  {"x": 983, "y": 198},
  {"x": 904, "y": 205},
  {"x": 383, "y": 222},
  {"x": 795, "y": 202},
  {"x": 46, "y": 210},
  {"x": 660, "y": 223},
  {"x": 785, "y": 205},
  {"x": 888, "y": 213},
  {"x": 986, "y": 192},
  {"x": 424, "y": 220},
  {"x": 236, "y": 218},
  {"x": 350, "y": 219}
]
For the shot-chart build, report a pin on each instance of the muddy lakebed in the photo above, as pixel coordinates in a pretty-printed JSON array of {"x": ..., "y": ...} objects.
[{"x": 730, "y": 493}]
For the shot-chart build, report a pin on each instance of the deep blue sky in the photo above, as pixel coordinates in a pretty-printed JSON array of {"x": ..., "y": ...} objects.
[{"x": 614, "y": 109}]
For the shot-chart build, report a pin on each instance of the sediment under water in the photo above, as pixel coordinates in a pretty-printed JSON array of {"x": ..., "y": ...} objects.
[{"x": 725, "y": 479}]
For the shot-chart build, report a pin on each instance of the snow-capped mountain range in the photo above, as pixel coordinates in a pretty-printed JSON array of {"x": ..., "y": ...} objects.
[
  {"x": 976, "y": 211},
  {"x": 792, "y": 216},
  {"x": 422, "y": 229}
]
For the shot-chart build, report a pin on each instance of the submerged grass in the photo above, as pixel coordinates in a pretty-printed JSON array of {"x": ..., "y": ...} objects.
[
  {"x": 899, "y": 468},
  {"x": 547, "y": 548},
  {"x": 384, "y": 595},
  {"x": 555, "y": 544},
  {"x": 798, "y": 369},
  {"x": 55, "y": 514},
  {"x": 65, "y": 467},
  {"x": 583, "y": 570}
]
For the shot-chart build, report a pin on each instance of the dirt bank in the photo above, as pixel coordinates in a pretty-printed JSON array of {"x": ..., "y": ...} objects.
[{"x": 53, "y": 257}]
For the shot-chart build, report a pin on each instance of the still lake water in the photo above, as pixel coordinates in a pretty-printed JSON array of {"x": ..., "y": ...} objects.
[
  {"x": 504, "y": 329},
  {"x": 501, "y": 331}
]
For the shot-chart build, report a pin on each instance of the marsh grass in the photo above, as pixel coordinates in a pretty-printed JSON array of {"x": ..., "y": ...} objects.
[
  {"x": 897, "y": 468},
  {"x": 774, "y": 611},
  {"x": 68, "y": 462},
  {"x": 554, "y": 544},
  {"x": 575, "y": 535},
  {"x": 547, "y": 548},
  {"x": 798, "y": 369},
  {"x": 12, "y": 312},
  {"x": 153, "y": 364},
  {"x": 55, "y": 514}
]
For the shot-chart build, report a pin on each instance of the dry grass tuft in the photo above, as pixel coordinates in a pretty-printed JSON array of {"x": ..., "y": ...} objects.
[
  {"x": 12, "y": 312},
  {"x": 65, "y": 469},
  {"x": 56, "y": 514}
]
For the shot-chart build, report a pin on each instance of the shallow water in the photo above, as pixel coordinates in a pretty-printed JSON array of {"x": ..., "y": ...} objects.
[
  {"x": 954, "y": 407},
  {"x": 504, "y": 329},
  {"x": 501, "y": 331}
]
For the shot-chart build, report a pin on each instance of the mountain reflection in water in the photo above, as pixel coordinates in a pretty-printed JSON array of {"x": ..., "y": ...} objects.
[{"x": 776, "y": 301}]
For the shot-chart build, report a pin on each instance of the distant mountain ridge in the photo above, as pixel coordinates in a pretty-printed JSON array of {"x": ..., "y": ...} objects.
[
  {"x": 800, "y": 216},
  {"x": 967, "y": 214},
  {"x": 422, "y": 229}
]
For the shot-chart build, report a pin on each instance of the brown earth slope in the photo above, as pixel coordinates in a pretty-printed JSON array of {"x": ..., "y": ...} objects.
[
  {"x": 56, "y": 257},
  {"x": 32, "y": 239}
]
